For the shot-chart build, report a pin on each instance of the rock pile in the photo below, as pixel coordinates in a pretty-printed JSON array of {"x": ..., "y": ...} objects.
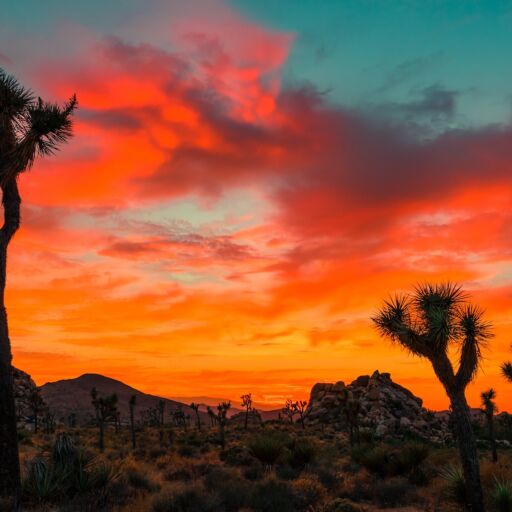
[
  {"x": 388, "y": 409},
  {"x": 24, "y": 387}
]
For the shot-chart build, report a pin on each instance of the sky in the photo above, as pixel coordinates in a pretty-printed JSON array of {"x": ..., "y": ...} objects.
[{"x": 250, "y": 179}]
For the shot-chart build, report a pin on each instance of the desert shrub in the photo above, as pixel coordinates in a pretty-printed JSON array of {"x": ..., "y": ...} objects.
[
  {"x": 302, "y": 453},
  {"x": 253, "y": 473},
  {"x": 184, "y": 498},
  {"x": 272, "y": 495},
  {"x": 267, "y": 448},
  {"x": 187, "y": 450},
  {"x": 455, "y": 485},
  {"x": 340, "y": 505},
  {"x": 236, "y": 455},
  {"x": 64, "y": 452},
  {"x": 501, "y": 496},
  {"x": 136, "y": 479},
  {"x": 287, "y": 472},
  {"x": 231, "y": 489},
  {"x": 385, "y": 460},
  {"x": 393, "y": 492},
  {"x": 182, "y": 473},
  {"x": 308, "y": 491}
]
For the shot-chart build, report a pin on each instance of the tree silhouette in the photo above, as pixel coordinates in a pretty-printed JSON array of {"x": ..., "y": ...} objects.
[
  {"x": 36, "y": 403},
  {"x": 195, "y": 408},
  {"x": 427, "y": 323},
  {"x": 289, "y": 410},
  {"x": 247, "y": 403},
  {"x": 222, "y": 419},
  {"x": 299, "y": 407},
  {"x": 28, "y": 128},
  {"x": 489, "y": 408},
  {"x": 106, "y": 410},
  {"x": 131, "y": 403}
]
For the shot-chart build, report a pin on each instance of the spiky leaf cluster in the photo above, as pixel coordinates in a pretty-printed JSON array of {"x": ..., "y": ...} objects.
[
  {"x": 430, "y": 320},
  {"x": 29, "y": 127}
]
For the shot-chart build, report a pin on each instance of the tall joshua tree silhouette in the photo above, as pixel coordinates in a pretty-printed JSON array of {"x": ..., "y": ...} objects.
[
  {"x": 427, "y": 323},
  {"x": 29, "y": 128}
]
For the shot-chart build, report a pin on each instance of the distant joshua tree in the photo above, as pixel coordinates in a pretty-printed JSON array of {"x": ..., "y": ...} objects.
[
  {"x": 506, "y": 370},
  {"x": 132, "y": 402},
  {"x": 300, "y": 407},
  {"x": 211, "y": 415},
  {"x": 195, "y": 408},
  {"x": 489, "y": 408},
  {"x": 36, "y": 404},
  {"x": 289, "y": 410},
  {"x": 222, "y": 419},
  {"x": 247, "y": 403},
  {"x": 426, "y": 323},
  {"x": 106, "y": 411},
  {"x": 29, "y": 128}
]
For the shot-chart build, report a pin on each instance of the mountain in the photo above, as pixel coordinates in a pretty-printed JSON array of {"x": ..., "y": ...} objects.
[{"x": 74, "y": 396}]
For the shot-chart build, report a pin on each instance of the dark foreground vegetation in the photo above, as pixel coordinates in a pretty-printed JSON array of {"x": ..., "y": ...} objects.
[{"x": 272, "y": 467}]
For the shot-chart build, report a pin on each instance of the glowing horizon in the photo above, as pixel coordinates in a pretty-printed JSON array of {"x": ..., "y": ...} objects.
[{"x": 242, "y": 191}]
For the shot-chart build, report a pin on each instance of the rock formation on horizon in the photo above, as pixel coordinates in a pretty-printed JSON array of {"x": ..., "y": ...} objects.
[{"x": 388, "y": 409}]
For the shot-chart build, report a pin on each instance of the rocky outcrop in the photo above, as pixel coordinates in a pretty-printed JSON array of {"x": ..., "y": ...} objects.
[
  {"x": 388, "y": 409},
  {"x": 24, "y": 388}
]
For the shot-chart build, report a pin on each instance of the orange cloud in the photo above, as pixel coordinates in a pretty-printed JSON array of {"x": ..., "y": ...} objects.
[{"x": 211, "y": 231}]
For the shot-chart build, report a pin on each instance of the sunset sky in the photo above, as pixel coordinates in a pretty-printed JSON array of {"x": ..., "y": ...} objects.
[{"x": 249, "y": 179}]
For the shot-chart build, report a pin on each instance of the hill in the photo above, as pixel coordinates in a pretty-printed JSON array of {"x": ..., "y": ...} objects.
[{"x": 68, "y": 396}]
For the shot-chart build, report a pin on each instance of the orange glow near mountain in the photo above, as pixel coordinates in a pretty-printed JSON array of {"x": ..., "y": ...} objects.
[{"x": 213, "y": 230}]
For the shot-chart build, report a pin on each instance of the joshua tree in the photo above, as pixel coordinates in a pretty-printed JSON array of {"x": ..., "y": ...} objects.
[
  {"x": 247, "y": 403},
  {"x": 161, "y": 422},
  {"x": 37, "y": 404},
  {"x": 179, "y": 417},
  {"x": 195, "y": 408},
  {"x": 289, "y": 410},
  {"x": 106, "y": 410},
  {"x": 426, "y": 323},
  {"x": 506, "y": 370},
  {"x": 489, "y": 408},
  {"x": 300, "y": 408},
  {"x": 28, "y": 128},
  {"x": 222, "y": 419},
  {"x": 211, "y": 415},
  {"x": 131, "y": 404}
]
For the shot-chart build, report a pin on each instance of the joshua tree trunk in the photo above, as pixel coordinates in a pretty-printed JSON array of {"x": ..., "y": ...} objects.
[
  {"x": 468, "y": 452},
  {"x": 9, "y": 461},
  {"x": 492, "y": 439},
  {"x": 101, "y": 426},
  {"x": 132, "y": 427}
]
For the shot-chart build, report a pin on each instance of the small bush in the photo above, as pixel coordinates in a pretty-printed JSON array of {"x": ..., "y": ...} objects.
[
  {"x": 392, "y": 492},
  {"x": 308, "y": 491},
  {"x": 267, "y": 448},
  {"x": 340, "y": 505},
  {"x": 302, "y": 453},
  {"x": 184, "y": 498},
  {"x": 455, "y": 489},
  {"x": 139, "y": 480},
  {"x": 273, "y": 496},
  {"x": 502, "y": 496}
]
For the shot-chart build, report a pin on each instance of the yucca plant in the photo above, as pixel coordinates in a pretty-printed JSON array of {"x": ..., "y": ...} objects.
[
  {"x": 43, "y": 483},
  {"x": 427, "y": 323},
  {"x": 455, "y": 486},
  {"x": 502, "y": 496},
  {"x": 29, "y": 128},
  {"x": 506, "y": 370}
]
